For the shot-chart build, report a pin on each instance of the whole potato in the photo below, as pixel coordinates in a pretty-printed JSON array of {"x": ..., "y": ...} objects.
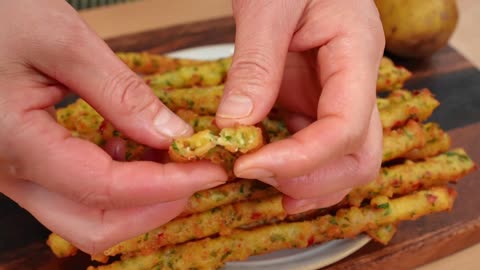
[{"x": 417, "y": 28}]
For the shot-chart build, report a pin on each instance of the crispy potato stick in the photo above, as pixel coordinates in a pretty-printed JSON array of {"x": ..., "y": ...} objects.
[
  {"x": 398, "y": 142},
  {"x": 80, "y": 118},
  {"x": 410, "y": 176},
  {"x": 437, "y": 141},
  {"x": 275, "y": 129},
  {"x": 239, "y": 245},
  {"x": 241, "y": 139},
  {"x": 203, "y": 101},
  {"x": 60, "y": 247},
  {"x": 390, "y": 76},
  {"x": 208, "y": 74},
  {"x": 228, "y": 193},
  {"x": 419, "y": 107},
  {"x": 217, "y": 220},
  {"x": 198, "y": 122},
  {"x": 147, "y": 63},
  {"x": 383, "y": 234}
]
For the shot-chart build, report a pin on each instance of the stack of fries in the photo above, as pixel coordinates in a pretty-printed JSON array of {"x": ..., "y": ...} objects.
[{"x": 243, "y": 218}]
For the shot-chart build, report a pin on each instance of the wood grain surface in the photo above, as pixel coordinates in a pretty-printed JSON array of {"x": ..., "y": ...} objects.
[{"x": 451, "y": 78}]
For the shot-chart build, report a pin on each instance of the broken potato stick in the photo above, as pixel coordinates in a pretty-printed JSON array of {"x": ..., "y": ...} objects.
[
  {"x": 383, "y": 234},
  {"x": 208, "y": 74},
  {"x": 398, "y": 142},
  {"x": 60, "y": 247},
  {"x": 390, "y": 76},
  {"x": 217, "y": 220},
  {"x": 241, "y": 139},
  {"x": 148, "y": 63},
  {"x": 203, "y": 101},
  {"x": 212, "y": 253},
  {"x": 198, "y": 122},
  {"x": 436, "y": 141},
  {"x": 411, "y": 176},
  {"x": 419, "y": 107}
]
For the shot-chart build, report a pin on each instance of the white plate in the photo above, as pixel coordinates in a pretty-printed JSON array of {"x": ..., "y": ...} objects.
[{"x": 314, "y": 257}]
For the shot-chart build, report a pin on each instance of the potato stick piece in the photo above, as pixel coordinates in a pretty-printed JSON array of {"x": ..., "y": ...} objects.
[
  {"x": 208, "y": 74},
  {"x": 390, "y": 76},
  {"x": 226, "y": 194},
  {"x": 275, "y": 129},
  {"x": 198, "y": 123},
  {"x": 241, "y": 139},
  {"x": 80, "y": 118},
  {"x": 147, "y": 63},
  {"x": 383, "y": 234},
  {"x": 203, "y": 101},
  {"x": 410, "y": 176},
  {"x": 60, "y": 247},
  {"x": 398, "y": 142},
  {"x": 213, "y": 253},
  {"x": 217, "y": 220},
  {"x": 437, "y": 141},
  {"x": 419, "y": 107}
]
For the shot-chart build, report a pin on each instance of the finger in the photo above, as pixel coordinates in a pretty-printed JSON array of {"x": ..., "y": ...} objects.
[
  {"x": 293, "y": 206},
  {"x": 257, "y": 67},
  {"x": 91, "y": 230},
  {"x": 100, "y": 78},
  {"x": 341, "y": 174},
  {"x": 349, "y": 70},
  {"x": 48, "y": 155}
]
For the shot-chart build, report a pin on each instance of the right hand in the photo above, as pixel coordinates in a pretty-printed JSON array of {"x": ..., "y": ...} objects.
[{"x": 72, "y": 186}]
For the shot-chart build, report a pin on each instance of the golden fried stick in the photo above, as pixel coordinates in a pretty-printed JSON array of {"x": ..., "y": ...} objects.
[
  {"x": 203, "y": 101},
  {"x": 398, "y": 142},
  {"x": 239, "y": 245},
  {"x": 410, "y": 176},
  {"x": 208, "y": 74},
  {"x": 60, "y": 247},
  {"x": 217, "y": 220},
  {"x": 275, "y": 129},
  {"x": 437, "y": 141},
  {"x": 419, "y": 107},
  {"x": 390, "y": 76},
  {"x": 147, "y": 63},
  {"x": 383, "y": 234},
  {"x": 228, "y": 193},
  {"x": 198, "y": 122}
]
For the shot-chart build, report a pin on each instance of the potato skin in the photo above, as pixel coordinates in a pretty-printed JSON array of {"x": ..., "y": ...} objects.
[{"x": 417, "y": 28}]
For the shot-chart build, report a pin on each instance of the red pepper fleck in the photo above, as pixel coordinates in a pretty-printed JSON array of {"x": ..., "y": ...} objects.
[
  {"x": 147, "y": 81},
  {"x": 255, "y": 215},
  {"x": 396, "y": 183},
  {"x": 160, "y": 238},
  {"x": 102, "y": 127},
  {"x": 431, "y": 198},
  {"x": 311, "y": 241}
]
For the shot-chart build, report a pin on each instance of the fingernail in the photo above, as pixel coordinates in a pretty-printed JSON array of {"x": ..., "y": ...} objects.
[
  {"x": 303, "y": 206},
  {"x": 169, "y": 125},
  {"x": 257, "y": 173},
  {"x": 235, "y": 106},
  {"x": 270, "y": 180}
]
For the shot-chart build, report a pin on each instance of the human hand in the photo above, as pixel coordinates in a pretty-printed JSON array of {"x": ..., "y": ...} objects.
[
  {"x": 70, "y": 185},
  {"x": 319, "y": 60}
]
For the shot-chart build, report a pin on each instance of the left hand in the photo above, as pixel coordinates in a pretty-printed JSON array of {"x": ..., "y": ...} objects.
[{"x": 319, "y": 60}]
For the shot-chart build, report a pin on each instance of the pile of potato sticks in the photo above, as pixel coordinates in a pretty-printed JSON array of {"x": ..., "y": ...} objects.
[{"x": 243, "y": 218}]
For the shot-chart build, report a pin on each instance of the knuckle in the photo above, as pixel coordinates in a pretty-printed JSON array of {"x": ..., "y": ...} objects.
[
  {"x": 253, "y": 68},
  {"x": 126, "y": 91}
]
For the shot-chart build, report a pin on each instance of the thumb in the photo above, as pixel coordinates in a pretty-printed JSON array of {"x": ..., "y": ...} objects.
[
  {"x": 85, "y": 64},
  {"x": 263, "y": 34}
]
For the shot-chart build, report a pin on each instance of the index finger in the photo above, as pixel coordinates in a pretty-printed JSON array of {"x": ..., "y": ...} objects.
[{"x": 348, "y": 65}]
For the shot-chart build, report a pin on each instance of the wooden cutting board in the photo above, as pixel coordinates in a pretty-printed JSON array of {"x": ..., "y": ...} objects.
[{"x": 455, "y": 82}]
